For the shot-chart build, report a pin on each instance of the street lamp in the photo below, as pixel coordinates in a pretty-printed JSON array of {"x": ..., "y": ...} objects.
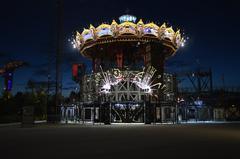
[
  {"x": 176, "y": 108},
  {"x": 176, "y": 111}
]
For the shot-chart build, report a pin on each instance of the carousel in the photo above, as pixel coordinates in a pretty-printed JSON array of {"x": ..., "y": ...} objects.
[{"x": 127, "y": 82}]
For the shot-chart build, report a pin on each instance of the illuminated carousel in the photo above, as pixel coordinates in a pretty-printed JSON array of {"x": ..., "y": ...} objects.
[{"x": 127, "y": 82}]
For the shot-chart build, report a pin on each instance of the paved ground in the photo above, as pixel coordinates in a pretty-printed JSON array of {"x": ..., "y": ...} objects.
[{"x": 121, "y": 141}]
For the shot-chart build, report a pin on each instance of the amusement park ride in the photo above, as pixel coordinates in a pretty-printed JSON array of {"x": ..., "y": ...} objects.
[
  {"x": 127, "y": 83},
  {"x": 7, "y": 72}
]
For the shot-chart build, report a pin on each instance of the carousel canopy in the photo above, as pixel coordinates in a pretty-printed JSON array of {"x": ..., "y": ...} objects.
[{"x": 127, "y": 30}]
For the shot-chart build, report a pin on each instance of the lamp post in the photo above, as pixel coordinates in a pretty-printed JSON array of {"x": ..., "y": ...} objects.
[
  {"x": 176, "y": 110},
  {"x": 180, "y": 102}
]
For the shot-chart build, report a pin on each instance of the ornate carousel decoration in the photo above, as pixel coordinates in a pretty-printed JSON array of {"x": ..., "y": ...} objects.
[{"x": 128, "y": 30}]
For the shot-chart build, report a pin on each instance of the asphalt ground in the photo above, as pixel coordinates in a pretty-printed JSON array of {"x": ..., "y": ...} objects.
[{"x": 121, "y": 141}]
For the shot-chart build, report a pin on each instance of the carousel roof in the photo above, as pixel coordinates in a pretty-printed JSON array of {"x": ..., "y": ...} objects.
[{"x": 127, "y": 30}]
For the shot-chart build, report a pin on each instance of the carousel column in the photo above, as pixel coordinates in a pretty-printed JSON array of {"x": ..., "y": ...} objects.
[
  {"x": 161, "y": 73},
  {"x": 94, "y": 61},
  {"x": 147, "y": 104},
  {"x": 94, "y": 112},
  {"x": 106, "y": 107},
  {"x": 107, "y": 113},
  {"x": 147, "y": 110},
  {"x": 110, "y": 112},
  {"x": 119, "y": 59},
  {"x": 157, "y": 59},
  {"x": 160, "y": 95}
]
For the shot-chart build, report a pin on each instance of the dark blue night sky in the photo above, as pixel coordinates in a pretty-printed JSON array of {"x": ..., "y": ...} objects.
[{"x": 28, "y": 30}]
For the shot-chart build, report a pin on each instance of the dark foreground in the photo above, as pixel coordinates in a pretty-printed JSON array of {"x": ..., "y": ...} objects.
[{"x": 121, "y": 141}]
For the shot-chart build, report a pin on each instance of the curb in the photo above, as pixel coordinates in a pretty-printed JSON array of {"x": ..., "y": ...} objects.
[{"x": 19, "y": 123}]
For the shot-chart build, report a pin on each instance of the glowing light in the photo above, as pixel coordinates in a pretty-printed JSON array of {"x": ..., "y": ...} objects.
[
  {"x": 168, "y": 33},
  {"x": 127, "y": 28},
  {"x": 108, "y": 80},
  {"x": 75, "y": 43},
  {"x": 104, "y": 31},
  {"x": 87, "y": 36},
  {"x": 105, "y": 88},
  {"x": 143, "y": 79},
  {"x": 127, "y": 18},
  {"x": 150, "y": 31},
  {"x": 183, "y": 42}
]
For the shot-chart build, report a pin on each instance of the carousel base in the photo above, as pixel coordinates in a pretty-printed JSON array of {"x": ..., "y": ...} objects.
[{"x": 133, "y": 114}]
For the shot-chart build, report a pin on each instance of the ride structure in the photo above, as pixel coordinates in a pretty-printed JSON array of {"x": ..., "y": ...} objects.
[
  {"x": 127, "y": 83},
  {"x": 7, "y": 72}
]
